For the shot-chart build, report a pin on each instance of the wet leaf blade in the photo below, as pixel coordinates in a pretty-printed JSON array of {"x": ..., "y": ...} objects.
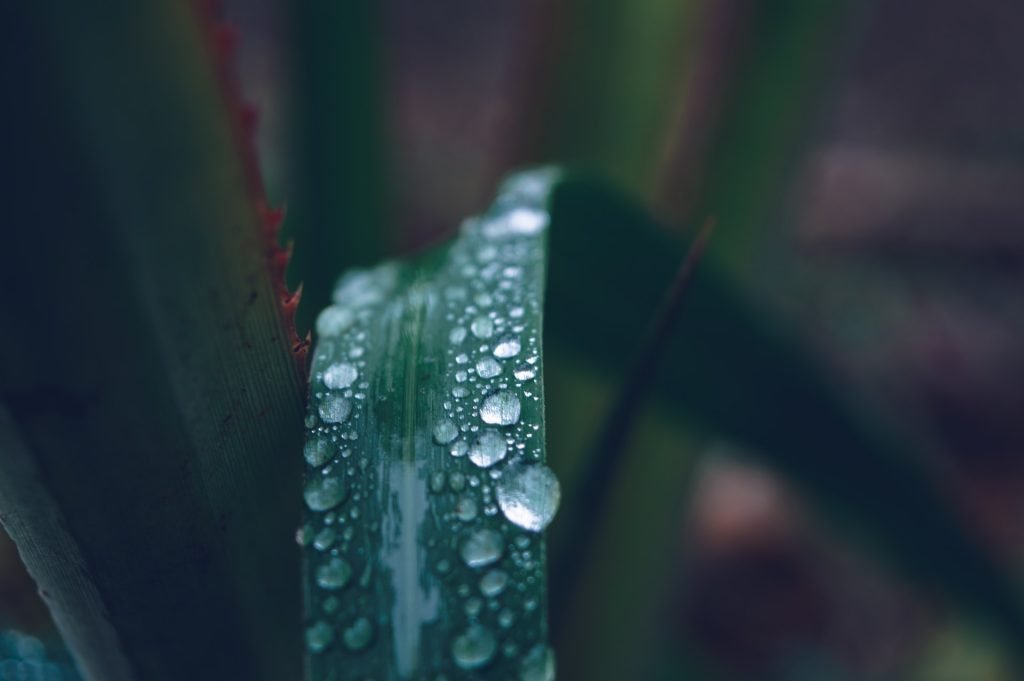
[{"x": 426, "y": 488}]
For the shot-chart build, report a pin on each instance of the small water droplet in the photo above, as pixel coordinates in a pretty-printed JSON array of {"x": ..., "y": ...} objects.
[
  {"x": 445, "y": 431},
  {"x": 474, "y": 648},
  {"x": 437, "y": 482},
  {"x": 473, "y": 607},
  {"x": 461, "y": 358},
  {"x": 324, "y": 492},
  {"x": 507, "y": 347},
  {"x": 493, "y": 583},
  {"x": 457, "y": 481},
  {"x": 482, "y": 327},
  {"x": 340, "y": 376},
  {"x": 459, "y": 448},
  {"x": 465, "y": 509},
  {"x": 318, "y": 451},
  {"x": 489, "y": 449},
  {"x": 457, "y": 335},
  {"x": 359, "y": 635},
  {"x": 319, "y": 636},
  {"x": 538, "y": 665},
  {"x": 334, "y": 320},
  {"x": 323, "y": 540},
  {"x": 334, "y": 575},
  {"x": 459, "y": 391},
  {"x": 304, "y": 535},
  {"x": 331, "y": 604},
  {"x": 528, "y": 495},
  {"x": 335, "y": 409},
  {"x": 524, "y": 372},
  {"x": 487, "y": 368},
  {"x": 483, "y": 547},
  {"x": 506, "y": 618},
  {"x": 500, "y": 408}
]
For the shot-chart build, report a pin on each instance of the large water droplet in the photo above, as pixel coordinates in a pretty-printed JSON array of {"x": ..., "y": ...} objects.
[
  {"x": 500, "y": 408},
  {"x": 358, "y": 636},
  {"x": 488, "y": 449},
  {"x": 493, "y": 583},
  {"x": 340, "y": 376},
  {"x": 517, "y": 221},
  {"x": 474, "y": 648},
  {"x": 528, "y": 495},
  {"x": 445, "y": 431},
  {"x": 335, "y": 409},
  {"x": 538, "y": 665},
  {"x": 318, "y": 451},
  {"x": 507, "y": 347},
  {"x": 483, "y": 547},
  {"x": 319, "y": 636},
  {"x": 482, "y": 327},
  {"x": 487, "y": 368},
  {"x": 334, "y": 320},
  {"x": 334, "y": 575},
  {"x": 324, "y": 492}
]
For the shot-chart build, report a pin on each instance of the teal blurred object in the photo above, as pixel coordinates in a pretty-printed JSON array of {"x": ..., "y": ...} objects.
[{"x": 26, "y": 658}]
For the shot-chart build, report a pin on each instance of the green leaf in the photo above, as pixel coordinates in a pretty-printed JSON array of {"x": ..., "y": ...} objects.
[
  {"x": 338, "y": 193},
  {"x": 425, "y": 484},
  {"x": 734, "y": 372},
  {"x": 148, "y": 384}
]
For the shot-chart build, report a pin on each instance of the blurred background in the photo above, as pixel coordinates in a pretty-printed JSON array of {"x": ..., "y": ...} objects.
[{"x": 871, "y": 156}]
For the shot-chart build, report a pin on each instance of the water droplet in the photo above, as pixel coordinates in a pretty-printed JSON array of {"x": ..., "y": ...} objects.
[
  {"x": 331, "y": 604},
  {"x": 517, "y": 221},
  {"x": 483, "y": 299},
  {"x": 524, "y": 372},
  {"x": 445, "y": 431},
  {"x": 457, "y": 481},
  {"x": 437, "y": 482},
  {"x": 506, "y": 618},
  {"x": 319, "y": 636},
  {"x": 487, "y": 368},
  {"x": 318, "y": 451},
  {"x": 465, "y": 509},
  {"x": 323, "y": 539},
  {"x": 474, "y": 648},
  {"x": 304, "y": 535},
  {"x": 483, "y": 547},
  {"x": 324, "y": 492},
  {"x": 335, "y": 409},
  {"x": 457, "y": 335},
  {"x": 528, "y": 495},
  {"x": 340, "y": 376},
  {"x": 507, "y": 347},
  {"x": 493, "y": 583},
  {"x": 459, "y": 448},
  {"x": 334, "y": 320},
  {"x": 488, "y": 449},
  {"x": 482, "y": 327},
  {"x": 358, "y": 636},
  {"x": 334, "y": 575},
  {"x": 473, "y": 607},
  {"x": 538, "y": 665},
  {"x": 500, "y": 408},
  {"x": 461, "y": 358},
  {"x": 459, "y": 391}
]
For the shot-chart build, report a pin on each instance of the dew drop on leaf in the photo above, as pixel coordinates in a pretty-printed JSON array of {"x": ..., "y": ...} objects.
[
  {"x": 474, "y": 648},
  {"x": 493, "y": 583},
  {"x": 319, "y": 636},
  {"x": 528, "y": 495},
  {"x": 334, "y": 320},
  {"x": 340, "y": 376},
  {"x": 358, "y": 635},
  {"x": 489, "y": 449},
  {"x": 335, "y": 409},
  {"x": 324, "y": 492},
  {"x": 500, "y": 408},
  {"x": 482, "y": 327},
  {"x": 483, "y": 547},
  {"x": 507, "y": 347},
  {"x": 318, "y": 452},
  {"x": 445, "y": 431},
  {"x": 487, "y": 368},
  {"x": 334, "y": 575}
]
